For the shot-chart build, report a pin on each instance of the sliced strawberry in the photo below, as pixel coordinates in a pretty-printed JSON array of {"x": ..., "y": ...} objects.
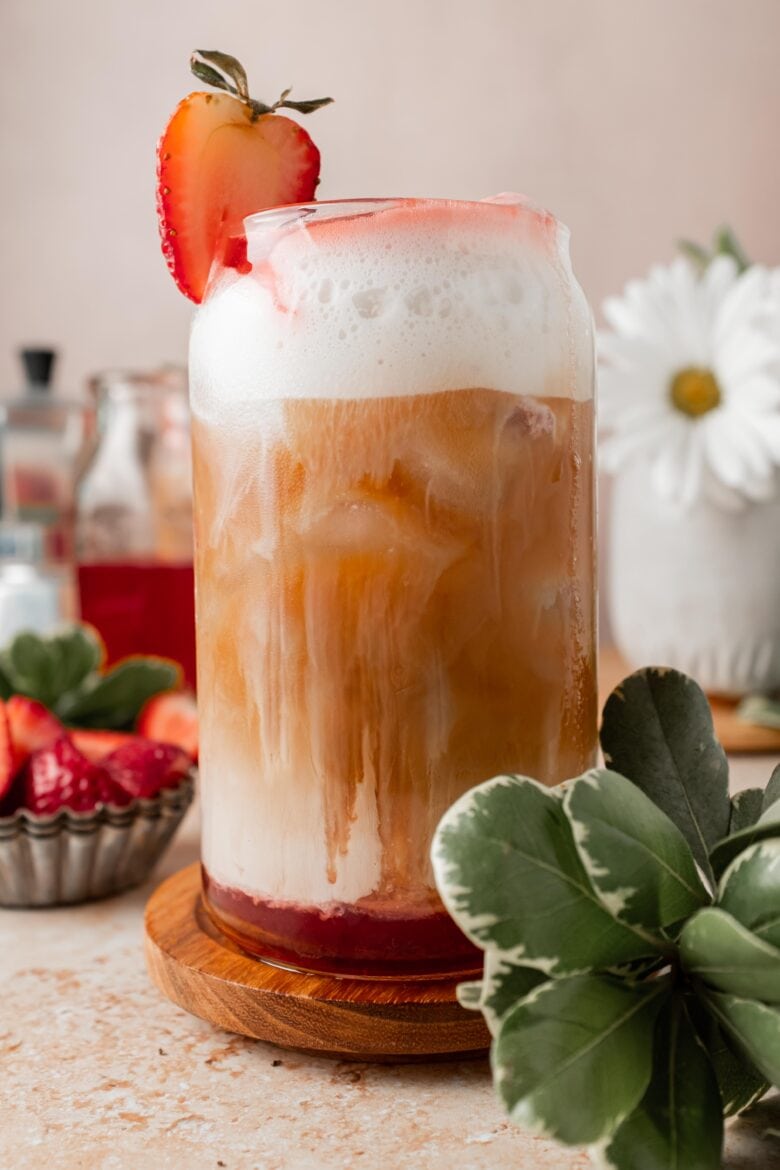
[
  {"x": 61, "y": 777},
  {"x": 31, "y": 725},
  {"x": 8, "y": 766},
  {"x": 97, "y": 744},
  {"x": 143, "y": 767},
  {"x": 222, "y": 157},
  {"x": 171, "y": 717},
  {"x": 14, "y": 797},
  {"x": 218, "y": 163}
]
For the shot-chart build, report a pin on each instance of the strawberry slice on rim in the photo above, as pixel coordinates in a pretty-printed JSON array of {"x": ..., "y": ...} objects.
[{"x": 224, "y": 156}]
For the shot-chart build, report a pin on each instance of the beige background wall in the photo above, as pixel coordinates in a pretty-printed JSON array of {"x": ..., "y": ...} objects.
[{"x": 634, "y": 120}]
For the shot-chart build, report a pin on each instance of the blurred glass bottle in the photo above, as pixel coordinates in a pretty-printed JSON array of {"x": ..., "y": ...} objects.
[
  {"x": 42, "y": 438},
  {"x": 36, "y": 594},
  {"x": 134, "y": 518}
]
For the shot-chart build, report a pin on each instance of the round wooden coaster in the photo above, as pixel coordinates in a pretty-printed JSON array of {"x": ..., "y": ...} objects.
[
  {"x": 734, "y": 734},
  {"x": 355, "y": 1019}
]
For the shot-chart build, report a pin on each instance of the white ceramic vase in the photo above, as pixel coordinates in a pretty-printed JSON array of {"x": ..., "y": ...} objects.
[{"x": 695, "y": 589}]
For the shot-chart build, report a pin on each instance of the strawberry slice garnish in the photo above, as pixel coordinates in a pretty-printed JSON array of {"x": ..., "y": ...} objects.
[
  {"x": 222, "y": 157},
  {"x": 32, "y": 726},
  {"x": 143, "y": 767},
  {"x": 61, "y": 777},
  {"x": 171, "y": 717}
]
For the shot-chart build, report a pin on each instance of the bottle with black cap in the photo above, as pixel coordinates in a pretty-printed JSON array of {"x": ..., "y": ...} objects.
[{"x": 42, "y": 437}]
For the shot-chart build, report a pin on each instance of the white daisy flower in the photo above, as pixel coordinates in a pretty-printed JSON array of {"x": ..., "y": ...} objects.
[{"x": 690, "y": 380}]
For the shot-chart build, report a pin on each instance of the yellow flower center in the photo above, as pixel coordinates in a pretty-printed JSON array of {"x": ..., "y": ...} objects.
[{"x": 694, "y": 391}]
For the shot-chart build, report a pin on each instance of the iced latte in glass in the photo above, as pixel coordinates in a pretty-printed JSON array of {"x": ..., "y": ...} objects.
[{"x": 393, "y": 446}]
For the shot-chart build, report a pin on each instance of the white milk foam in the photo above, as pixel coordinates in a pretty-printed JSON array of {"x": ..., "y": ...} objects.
[{"x": 409, "y": 299}]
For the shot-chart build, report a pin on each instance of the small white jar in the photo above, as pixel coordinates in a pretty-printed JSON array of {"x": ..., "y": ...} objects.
[{"x": 697, "y": 589}]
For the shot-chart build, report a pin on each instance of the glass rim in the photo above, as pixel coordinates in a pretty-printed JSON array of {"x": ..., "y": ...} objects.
[{"x": 367, "y": 204}]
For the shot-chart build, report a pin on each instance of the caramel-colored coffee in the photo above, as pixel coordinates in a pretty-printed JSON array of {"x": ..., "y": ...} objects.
[{"x": 395, "y": 602}]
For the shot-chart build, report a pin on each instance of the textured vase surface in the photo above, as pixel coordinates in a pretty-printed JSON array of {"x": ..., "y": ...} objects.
[{"x": 697, "y": 589}]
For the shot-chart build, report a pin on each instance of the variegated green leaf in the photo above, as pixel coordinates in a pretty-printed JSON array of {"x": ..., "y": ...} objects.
[
  {"x": 750, "y": 890},
  {"x": 573, "y": 1059},
  {"x": 739, "y": 1082},
  {"x": 772, "y": 790},
  {"x": 767, "y": 826},
  {"x": 637, "y": 860},
  {"x": 755, "y": 1027},
  {"x": 509, "y": 873},
  {"x": 718, "y": 949},
  {"x": 745, "y": 809},
  {"x": 657, "y": 731},
  {"x": 639, "y": 969},
  {"x": 503, "y": 986},
  {"x": 678, "y": 1124},
  {"x": 469, "y": 995}
]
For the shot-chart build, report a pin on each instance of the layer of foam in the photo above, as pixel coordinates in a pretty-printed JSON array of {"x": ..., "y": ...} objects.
[{"x": 393, "y": 298}]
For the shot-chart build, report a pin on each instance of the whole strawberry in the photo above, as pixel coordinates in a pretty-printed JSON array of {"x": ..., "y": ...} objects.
[
  {"x": 142, "y": 767},
  {"x": 59, "y": 776}
]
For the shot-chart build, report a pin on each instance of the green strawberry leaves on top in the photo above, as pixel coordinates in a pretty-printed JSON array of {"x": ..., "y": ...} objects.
[
  {"x": 225, "y": 72},
  {"x": 630, "y": 920},
  {"x": 65, "y": 672}
]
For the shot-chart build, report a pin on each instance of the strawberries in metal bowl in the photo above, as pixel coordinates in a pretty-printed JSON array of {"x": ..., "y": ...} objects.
[{"x": 83, "y": 814}]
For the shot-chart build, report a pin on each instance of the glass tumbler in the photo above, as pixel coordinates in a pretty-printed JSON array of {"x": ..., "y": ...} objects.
[{"x": 394, "y": 512}]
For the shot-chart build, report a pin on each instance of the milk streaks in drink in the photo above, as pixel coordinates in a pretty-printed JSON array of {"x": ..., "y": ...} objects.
[{"x": 394, "y": 514}]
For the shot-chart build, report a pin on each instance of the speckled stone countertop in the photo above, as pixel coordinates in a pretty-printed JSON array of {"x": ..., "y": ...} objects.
[{"x": 99, "y": 1072}]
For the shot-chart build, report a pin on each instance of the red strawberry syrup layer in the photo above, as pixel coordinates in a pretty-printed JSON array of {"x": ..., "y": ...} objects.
[{"x": 343, "y": 939}]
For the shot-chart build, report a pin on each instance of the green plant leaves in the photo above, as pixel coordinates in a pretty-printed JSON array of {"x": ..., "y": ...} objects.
[
  {"x": 754, "y": 1026},
  {"x": 725, "y": 954},
  {"x": 739, "y": 1082},
  {"x": 49, "y": 668},
  {"x": 503, "y": 986},
  {"x": 750, "y": 890},
  {"x": 657, "y": 730},
  {"x": 573, "y": 1058},
  {"x": 745, "y": 808},
  {"x": 637, "y": 860},
  {"x": 760, "y": 710},
  {"x": 627, "y": 1011},
  {"x": 724, "y": 243},
  {"x": 772, "y": 790},
  {"x": 62, "y": 671},
  {"x": 678, "y": 1124},
  {"x": 114, "y": 699},
  {"x": 767, "y": 826},
  {"x": 509, "y": 873}
]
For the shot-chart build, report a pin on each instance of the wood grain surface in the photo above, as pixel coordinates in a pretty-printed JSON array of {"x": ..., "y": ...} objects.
[
  {"x": 734, "y": 734},
  {"x": 359, "y": 1019}
]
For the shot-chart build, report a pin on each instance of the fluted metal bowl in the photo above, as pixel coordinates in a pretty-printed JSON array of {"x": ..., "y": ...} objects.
[{"x": 69, "y": 857}]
